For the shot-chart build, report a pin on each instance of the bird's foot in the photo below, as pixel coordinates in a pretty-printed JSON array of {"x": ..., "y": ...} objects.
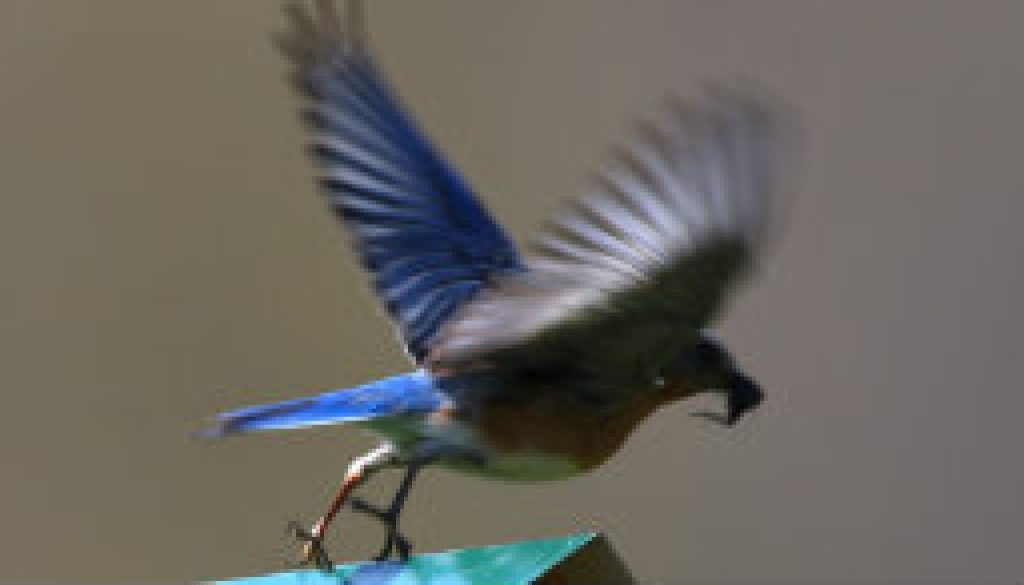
[
  {"x": 396, "y": 542},
  {"x": 313, "y": 552}
]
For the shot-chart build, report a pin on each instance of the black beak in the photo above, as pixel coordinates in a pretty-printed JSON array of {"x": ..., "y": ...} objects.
[
  {"x": 741, "y": 396},
  {"x": 744, "y": 395}
]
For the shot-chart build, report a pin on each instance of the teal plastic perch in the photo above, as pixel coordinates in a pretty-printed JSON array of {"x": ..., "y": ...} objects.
[{"x": 569, "y": 560}]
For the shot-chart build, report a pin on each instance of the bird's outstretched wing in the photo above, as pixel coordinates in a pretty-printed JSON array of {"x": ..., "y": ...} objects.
[
  {"x": 625, "y": 280},
  {"x": 427, "y": 242}
]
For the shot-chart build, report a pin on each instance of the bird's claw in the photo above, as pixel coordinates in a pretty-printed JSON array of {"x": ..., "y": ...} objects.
[
  {"x": 313, "y": 552},
  {"x": 400, "y": 545},
  {"x": 362, "y": 506},
  {"x": 396, "y": 542}
]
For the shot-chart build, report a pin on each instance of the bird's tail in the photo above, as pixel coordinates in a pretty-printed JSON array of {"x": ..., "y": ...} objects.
[{"x": 413, "y": 393}]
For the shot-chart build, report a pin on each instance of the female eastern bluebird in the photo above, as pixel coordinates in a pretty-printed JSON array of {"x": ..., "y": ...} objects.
[{"x": 539, "y": 368}]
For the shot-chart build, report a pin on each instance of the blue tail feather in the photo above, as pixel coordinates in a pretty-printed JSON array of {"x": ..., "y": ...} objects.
[{"x": 400, "y": 395}]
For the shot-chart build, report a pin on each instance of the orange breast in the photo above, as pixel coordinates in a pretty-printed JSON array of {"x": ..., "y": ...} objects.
[{"x": 552, "y": 425}]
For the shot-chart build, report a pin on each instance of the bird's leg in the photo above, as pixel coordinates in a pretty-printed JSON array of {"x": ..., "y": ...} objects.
[
  {"x": 426, "y": 454},
  {"x": 360, "y": 469},
  {"x": 383, "y": 516},
  {"x": 395, "y": 540}
]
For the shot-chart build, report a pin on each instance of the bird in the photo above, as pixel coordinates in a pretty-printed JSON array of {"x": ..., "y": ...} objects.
[{"x": 526, "y": 366}]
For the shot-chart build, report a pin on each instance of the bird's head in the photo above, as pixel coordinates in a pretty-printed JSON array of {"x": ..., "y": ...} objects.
[{"x": 709, "y": 367}]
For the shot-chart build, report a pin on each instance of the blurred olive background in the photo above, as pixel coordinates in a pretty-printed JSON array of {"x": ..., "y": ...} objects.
[{"x": 164, "y": 257}]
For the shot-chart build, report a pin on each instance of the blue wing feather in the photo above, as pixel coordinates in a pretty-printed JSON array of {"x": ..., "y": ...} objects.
[
  {"x": 417, "y": 227},
  {"x": 414, "y": 393}
]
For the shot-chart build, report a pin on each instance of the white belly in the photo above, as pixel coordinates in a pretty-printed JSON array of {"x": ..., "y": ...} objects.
[
  {"x": 521, "y": 467},
  {"x": 517, "y": 466}
]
